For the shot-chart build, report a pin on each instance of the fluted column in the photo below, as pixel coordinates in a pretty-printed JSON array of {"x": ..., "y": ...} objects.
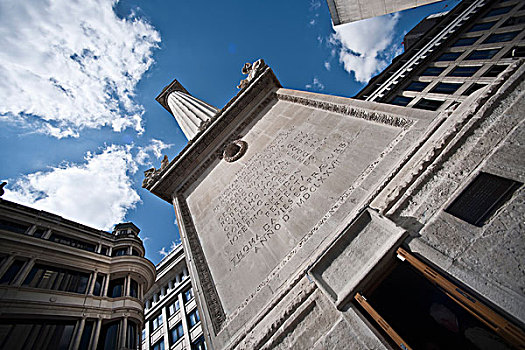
[{"x": 189, "y": 112}]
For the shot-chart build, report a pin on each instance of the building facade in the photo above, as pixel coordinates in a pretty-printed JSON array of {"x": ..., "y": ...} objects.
[
  {"x": 345, "y": 11},
  {"x": 64, "y": 285},
  {"x": 172, "y": 319},
  {"x": 312, "y": 221}
]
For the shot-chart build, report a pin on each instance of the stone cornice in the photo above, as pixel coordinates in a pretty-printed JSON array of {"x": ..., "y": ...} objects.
[{"x": 162, "y": 98}]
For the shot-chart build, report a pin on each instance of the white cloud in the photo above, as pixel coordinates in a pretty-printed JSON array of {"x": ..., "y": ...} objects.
[
  {"x": 327, "y": 66},
  {"x": 97, "y": 192},
  {"x": 156, "y": 147},
  {"x": 165, "y": 253},
  {"x": 67, "y": 65},
  {"x": 316, "y": 84},
  {"x": 365, "y": 46}
]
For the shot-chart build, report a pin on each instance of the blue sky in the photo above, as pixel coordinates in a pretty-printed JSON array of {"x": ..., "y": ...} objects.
[{"x": 78, "y": 81}]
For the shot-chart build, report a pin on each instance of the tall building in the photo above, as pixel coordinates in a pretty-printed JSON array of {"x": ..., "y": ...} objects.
[
  {"x": 64, "y": 285},
  {"x": 312, "y": 221},
  {"x": 172, "y": 317},
  {"x": 345, "y": 11}
]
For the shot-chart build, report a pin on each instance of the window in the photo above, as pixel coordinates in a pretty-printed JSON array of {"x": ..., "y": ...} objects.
[
  {"x": 86, "y": 335},
  {"x": 188, "y": 295},
  {"x": 449, "y": 56},
  {"x": 501, "y": 37},
  {"x": 433, "y": 71},
  {"x": 193, "y": 318},
  {"x": 55, "y": 278},
  {"x": 498, "y": 11},
  {"x": 39, "y": 232},
  {"x": 401, "y": 100},
  {"x": 482, "y": 198},
  {"x": 109, "y": 336},
  {"x": 466, "y": 41},
  {"x": 135, "y": 252},
  {"x": 517, "y": 51},
  {"x": 199, "y": 344},
  {"x": 13, "y": 270},
  {"x": 12, "y": 226},
  {"x": 513, "y": 21},
  {"x": 446, "y": 88},
  {"x": 495, "y": 70},
  {"x": 131, "y": 338},
  {"x": 482, "y": 26},
  {"x": 482, "y": 54},
  {"x": 116, "y": 288},
  {"x": 72, "y": 242},
  {"x": 417, "y": 86},
  {"x": 176, "y": 333},
  {"x": 156, "y": 322},
  {"x": 120, "y": 252},
  {"x": 134, "y": 289},
  {"x": 464, "y": 71},
  {"x": 97, "y": 289},
  {"x": 173, "y": 308},
  {"x": 472, "y": 88},
  {"x": 104, "y": 250},
  {"x": 416, "y": 307},
  {"x": 143, "y": 335},
  {"x": 158, "y": 345},
  {"x": 430, "y": 105},
  {"x": 46, "y": 334}
]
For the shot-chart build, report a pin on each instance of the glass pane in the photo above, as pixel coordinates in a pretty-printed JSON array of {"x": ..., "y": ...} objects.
[
  {"x": 433, "y": 71},
  {"x": 483, "y": 54},
  {"x": 482, "y": 26},
  {"x": 417, "y": 86},
  {"x": 464, "y": 71},
  {"x": 12, "y": 271},
  {"x": 466, "y": 41},
  {"x": 449, "y": 56},
  {"x": 401, "y": 100},
  {"x": 430, "y": 105},
  {"x": 501, "y": 37},
  {"x": 446, "y": 88},
  {"x": 498, "y": 11}
]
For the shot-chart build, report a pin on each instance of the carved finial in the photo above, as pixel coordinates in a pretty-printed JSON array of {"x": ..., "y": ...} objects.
[
  {"x": 164, "y": 163},
  {"x": 2, "y": 188},
  {"x": 252, "y": 70}
]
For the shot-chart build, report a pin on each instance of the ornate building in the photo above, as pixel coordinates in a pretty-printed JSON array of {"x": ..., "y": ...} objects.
[
  {"x": 64, "y": 285},
  {"x": 392, "y": 220},
  {"x": 172, "y": 318}
]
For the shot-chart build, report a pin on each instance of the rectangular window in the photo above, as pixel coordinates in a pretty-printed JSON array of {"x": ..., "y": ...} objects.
[
  {"x": 120, "y": 252},
  {"x": 86, "y": 335},
  {"x": 482, "y": 54},
  {"x": 72, "y": 242},
  {"x": 188, "y": 295},
  {"x": 104, "y": 250},
  {"x": 174, "y": 307},
  {"x": 99, "y": 282},
  {"x": 39, "y": 232},
  {"x": 429, "y": 105},
  {"x": 156, "y": 322},
  {"x": 464, "y": 71},
  {"x": 176, "y": 333},
  {"x": 193, "y": 318},
  {"x": 466, "y": 41},
  {"x": 133, "y": 289},
  {"x": 11, "y": 273},
  {"x": 55, "y": 278},
  {"x": 418, "y": 308},
  {"x": 199, "y": 344},
  {"x": 116, "y": 288},
  {"x": 498, "y": 11},
  {"x": 417, "y": 86},
  {"x": 501, "y": 37},
  {"x": 482, "y": 26},
  {"x": 482, "y": 197},
  {"x": 401, "y": 101},
  {"x": 495, "y": 70},
  {"x": 516, "y": 51},
  {"x": 514, "y": 21},
  {"x": 449, "y": 56},
  {"x": 158, "y": 345},
  {"x": 472, "y": 88},
  {"x": 446, "y": 88},
  {"x": 433, "y": 71},
  {"x": 16, "y": 227}
]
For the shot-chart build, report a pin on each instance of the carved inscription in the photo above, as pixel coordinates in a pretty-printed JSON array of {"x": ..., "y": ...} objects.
[{"x": 275, "y": 183}]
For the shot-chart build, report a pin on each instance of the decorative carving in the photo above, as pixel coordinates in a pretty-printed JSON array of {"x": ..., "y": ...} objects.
[
  {"x": 152, "y": 175},
  {"x": 235, "y": 150},
  {"x": 164, "y": 163},
  {"x": 252, "y": 70}
]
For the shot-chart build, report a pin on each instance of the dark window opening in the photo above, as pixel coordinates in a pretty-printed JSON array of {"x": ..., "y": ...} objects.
[
  {"x": 482, "y": 26},
  {"x": 109, "y": 336},
  {"x": 72, "y": 242},
  {"x": 430, "y": 105},
  {"x": 472, "y": 88},
  {"x": 513, "y": 21},
  {"x": 446, "y": 88},
  {"x": 401, "y": 101},
  {"x": 495, "y": 70},
  {"x": 433, "y": 71},
  {"x": 188, "y": 295},
  {"x": 39, "y": 232},
  {"x": 97, "y": 289},
  {"x": 501, "y": 37},
  {"x": 449, "y": 56},
  {"x": 176, "y": 333},
  {"x": 116, "y": 288},
  {"x": 120, "y": 252},
  {"x": 134, "y": 289},
  {"x": 417, "y": 86},
  {"x": 193, "y": 318},
  {"x": 158, "y": 345},
  {"x": 199, "y": 344},
  {"x": 482, "y": 197},
  {"x": 173, "y": 308},
  {"x": 86, "y": 335},
  {"x": 104, "y": 250},
  {"x": 55, "y": 278},
  {"x": 498, "y": 11},
  {"x": 135, "y": 252},
  {"x": 131, "y": 339},
  {"x": 483, "y": 54},
  {"x": 464, "y": 71},
  {"x": 12, "y": 226},
  {"x": 13, "y": 270},
  {"x": 517, "y": 51},
  {"x": 466, "y": 41},
  {"x": 156, "y": 322},
  {"x": 36, "y": 334}
]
